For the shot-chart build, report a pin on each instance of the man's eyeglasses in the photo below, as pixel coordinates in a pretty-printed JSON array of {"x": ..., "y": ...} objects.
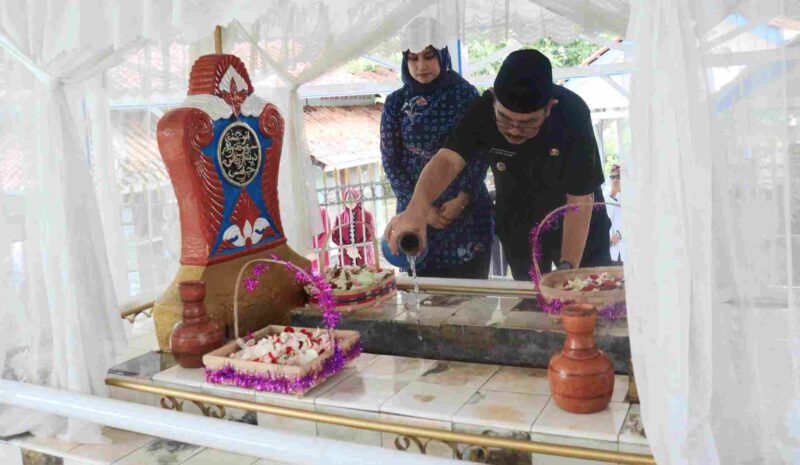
[
  {"x": 614, "y": 177},
  {"x": 507, "y": 123}
]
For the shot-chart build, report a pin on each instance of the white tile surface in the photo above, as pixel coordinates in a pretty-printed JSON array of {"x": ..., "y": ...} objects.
[
  {"x": 189, "y": 379},
  {"x": 10, "y": 454},
  {"x": 600, "y": 426},
  {"x": 398, "y": 368},
  {"x": 363, "y": 361},
  {"x": 542, "y": 459},
  {"x": 219, "y": 457},
  {"x": 231, "y": 392},
  {"x": 161, "y": 452},
  {"x": 51, "y": 446},
  {"x": 294, "y": 425},
  {"x": 344, "y": 433},
  {"x": 505, "y": 410},
  {"x": 361, "y": 393},
  {"x": 620, "y": 388},
  {"x": 520, "y": 380},
  {"x": 122, "y": 444},
  {"x": 472, "y": 375},
  {"x": 129, "y": 395},
  {"x": 633, "y": 429},
  {"x": 428, "y": 400}
]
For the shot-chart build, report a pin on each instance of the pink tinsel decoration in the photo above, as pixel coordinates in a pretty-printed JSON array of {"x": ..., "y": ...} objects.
[
  {"x": 321, "y": 288},
  {"x": 281, "y": 384},
  {"x": 554, "y": 307}
]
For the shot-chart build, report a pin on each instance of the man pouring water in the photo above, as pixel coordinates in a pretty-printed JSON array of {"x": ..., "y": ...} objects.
[{"x": 537, "y": 138}]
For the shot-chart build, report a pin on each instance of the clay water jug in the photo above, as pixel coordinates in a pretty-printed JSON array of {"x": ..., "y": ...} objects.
[
  {"x": 581, "y": 377},
  {"x": 196, "y": 334}
]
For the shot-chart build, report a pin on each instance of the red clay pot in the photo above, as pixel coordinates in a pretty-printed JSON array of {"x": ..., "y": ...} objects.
[
  {"x": 581, "y": 377},
  {"x": 197, "y": 334}
]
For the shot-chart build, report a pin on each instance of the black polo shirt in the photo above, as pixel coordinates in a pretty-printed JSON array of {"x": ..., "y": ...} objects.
[{"x": 534, "y": 177}]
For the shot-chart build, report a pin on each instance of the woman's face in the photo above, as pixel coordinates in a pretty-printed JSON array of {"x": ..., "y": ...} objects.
[{"x": 424, "y": 66}]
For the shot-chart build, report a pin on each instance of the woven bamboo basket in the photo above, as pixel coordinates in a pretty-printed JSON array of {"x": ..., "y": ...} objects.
[
  {"x": 550, "y": 283},
  {"x": 347, "y": 341},
  {"x": 359, "y": 298}
]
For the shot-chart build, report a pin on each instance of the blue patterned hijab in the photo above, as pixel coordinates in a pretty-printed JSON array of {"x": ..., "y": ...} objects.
[{"x": 447, "y": 77}]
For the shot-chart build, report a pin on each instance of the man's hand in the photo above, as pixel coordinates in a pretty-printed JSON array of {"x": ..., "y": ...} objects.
[
  {"x": 453, "y": 208},
  {"x": 615, "y": 238},
  {"x": 436, "y": 219},
  {"x": 408, "y": 221}
]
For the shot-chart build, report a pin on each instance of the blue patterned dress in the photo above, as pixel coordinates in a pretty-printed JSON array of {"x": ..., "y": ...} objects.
[{"x": 413, "y": 128}]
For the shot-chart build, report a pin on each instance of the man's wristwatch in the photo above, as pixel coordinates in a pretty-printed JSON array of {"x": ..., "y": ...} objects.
[{"x": 564, "y": 265}]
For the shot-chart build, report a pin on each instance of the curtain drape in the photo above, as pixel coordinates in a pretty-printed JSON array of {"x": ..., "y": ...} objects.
[{"x": 711, "y": 194}]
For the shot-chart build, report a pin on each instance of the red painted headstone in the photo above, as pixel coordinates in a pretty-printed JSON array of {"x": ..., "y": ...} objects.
[{"x": 222, "y": 149}]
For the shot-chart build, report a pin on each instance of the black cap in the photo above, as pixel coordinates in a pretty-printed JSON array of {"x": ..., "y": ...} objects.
[{"x": 524, "y": 82}]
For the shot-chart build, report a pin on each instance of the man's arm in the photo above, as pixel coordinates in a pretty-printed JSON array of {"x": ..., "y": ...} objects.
[
  {"x": 434, "y": 179},
  {"x": 576, "y": 229}
]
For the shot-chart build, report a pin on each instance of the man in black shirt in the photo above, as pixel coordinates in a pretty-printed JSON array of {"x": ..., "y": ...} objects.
[{"x": 538, "y": 139}]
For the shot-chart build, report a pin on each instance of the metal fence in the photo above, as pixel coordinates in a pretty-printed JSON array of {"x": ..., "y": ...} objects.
[{"x": 378, "y": 199}]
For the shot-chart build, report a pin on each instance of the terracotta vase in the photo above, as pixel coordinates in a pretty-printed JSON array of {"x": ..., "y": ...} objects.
[
  {"x": 197, "y": 334},
  {"x": 581, "y": 377}
]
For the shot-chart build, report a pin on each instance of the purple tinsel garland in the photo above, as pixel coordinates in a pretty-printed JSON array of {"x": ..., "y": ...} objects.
[
  {"x": 282, "y": 384},
  {"x": 554, "y": 307},
  {"x": 323, "y": 294}
]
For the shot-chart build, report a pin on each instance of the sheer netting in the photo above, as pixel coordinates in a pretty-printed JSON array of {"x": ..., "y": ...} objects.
[{"x": 711, "y": 193}]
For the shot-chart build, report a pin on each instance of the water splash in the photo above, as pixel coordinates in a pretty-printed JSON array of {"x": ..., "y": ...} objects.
[{"x": 412, "y": 264}]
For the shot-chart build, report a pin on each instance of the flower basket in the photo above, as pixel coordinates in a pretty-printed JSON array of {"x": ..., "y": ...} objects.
[
  {"x": 552, "y": 295},
  {"x": 220, "y": 368},
  {"x": 379, "y": 286}
]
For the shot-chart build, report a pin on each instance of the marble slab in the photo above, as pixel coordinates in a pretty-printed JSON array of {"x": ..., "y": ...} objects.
[
  {"x": 427, "y": 316},
  {"x": 601, "y": 426},
  {"x": 471, "y": 332},
  {"x": 633, "y": 428},
  {"x": 188, "y": 379},
  {"x": 398, "y": 368},
  {"x": 161, "y": 452},
  {"x": 428, "y": 400},
  {"x": 293, "y": 425},
  {"x": 220, "y": 457},
  {"x": 143, "y": 367},
  {"x": 459, "y": 374},
  {"x": 520, "y": 380},
  {"x": 122, "y": 444},
  {"x": 545, "y": 459},
  {"x": 501, "y": 410},
  {"x": 10, "y": 454},
  {"x": 361, "y": 392},
  {"x": 478, "y": 317},
  {"x": 347, "y": 434},
  {"x": 47, "y": 445}
]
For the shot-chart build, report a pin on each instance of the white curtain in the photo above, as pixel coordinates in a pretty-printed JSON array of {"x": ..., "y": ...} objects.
[{"x": 712, "y": 192}]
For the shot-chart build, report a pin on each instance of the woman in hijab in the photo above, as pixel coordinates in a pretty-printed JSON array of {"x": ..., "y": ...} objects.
[{"x": 415, "y": 122}]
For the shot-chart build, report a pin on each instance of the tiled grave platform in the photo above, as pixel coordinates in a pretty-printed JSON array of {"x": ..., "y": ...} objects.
[
  {"x": 487, "y": 328},
  {"x": 482, "y": 399}
]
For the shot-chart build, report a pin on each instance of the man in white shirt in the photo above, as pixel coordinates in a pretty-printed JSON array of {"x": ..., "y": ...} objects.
[{"x": 615, "y": 215}]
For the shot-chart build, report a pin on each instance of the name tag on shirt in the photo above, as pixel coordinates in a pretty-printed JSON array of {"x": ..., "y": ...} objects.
[{"x": 502, "y": 153}]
